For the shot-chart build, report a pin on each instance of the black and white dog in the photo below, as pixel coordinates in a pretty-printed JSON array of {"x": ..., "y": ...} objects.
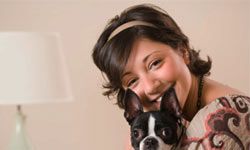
[{"x": 154, "y": 130}]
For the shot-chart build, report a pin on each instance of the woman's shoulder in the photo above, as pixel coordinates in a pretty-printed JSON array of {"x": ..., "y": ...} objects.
[{"x": 224, "y": 123}]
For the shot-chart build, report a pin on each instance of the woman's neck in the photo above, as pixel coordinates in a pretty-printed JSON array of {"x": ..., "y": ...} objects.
[{"x": 190, "y": 106}]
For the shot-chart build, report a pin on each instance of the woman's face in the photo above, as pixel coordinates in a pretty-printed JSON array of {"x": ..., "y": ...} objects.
[{"x": 152, "y": 68}]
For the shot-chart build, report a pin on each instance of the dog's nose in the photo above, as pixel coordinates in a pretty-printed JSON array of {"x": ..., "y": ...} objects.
[{"x": 151, "y": 143}]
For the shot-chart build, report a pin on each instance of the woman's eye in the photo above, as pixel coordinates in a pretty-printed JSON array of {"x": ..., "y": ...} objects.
[
  {"x": 155, "y": 64},
  {"x": 131, "y": 82}
]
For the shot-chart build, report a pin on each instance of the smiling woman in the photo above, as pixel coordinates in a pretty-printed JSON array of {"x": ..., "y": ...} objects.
[
  {"x": 144, "y": 50},
  {"x": 151, "y": 69},
  {"x": 112, "y": 54},
  {"x": 131, "y": 64}
]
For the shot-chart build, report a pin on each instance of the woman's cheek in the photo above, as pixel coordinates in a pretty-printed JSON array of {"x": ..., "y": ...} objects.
[{"x": 168, "y": 73}]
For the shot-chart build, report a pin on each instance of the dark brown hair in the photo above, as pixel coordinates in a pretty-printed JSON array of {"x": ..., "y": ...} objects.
[{"x": 111, "y": 56}]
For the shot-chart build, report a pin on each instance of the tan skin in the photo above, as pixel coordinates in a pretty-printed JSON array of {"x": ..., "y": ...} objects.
[
  {"x": 211, "y": 90},
  {"x": 153, "y": 67}
]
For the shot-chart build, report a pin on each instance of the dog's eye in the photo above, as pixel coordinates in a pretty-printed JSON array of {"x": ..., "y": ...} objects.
[
  {"x": 136, "y": 133},
  {"x": 166, "y": 132}
]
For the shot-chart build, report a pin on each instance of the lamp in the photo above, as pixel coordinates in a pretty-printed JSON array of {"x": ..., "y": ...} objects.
[{"x": 32, "y": 70}]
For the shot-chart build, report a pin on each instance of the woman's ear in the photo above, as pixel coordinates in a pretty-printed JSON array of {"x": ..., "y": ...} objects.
[
  {"x": 186, "y": 56},
  {"x": 184, "y": 52}
]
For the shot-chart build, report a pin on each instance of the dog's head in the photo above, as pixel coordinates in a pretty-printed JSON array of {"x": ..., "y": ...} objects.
[{"x": 154, "y": 130}]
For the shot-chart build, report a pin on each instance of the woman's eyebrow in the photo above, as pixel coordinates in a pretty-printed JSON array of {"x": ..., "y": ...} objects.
[
  {"x": 146, "y": 58},
  {"x": 125, "y": 74}
]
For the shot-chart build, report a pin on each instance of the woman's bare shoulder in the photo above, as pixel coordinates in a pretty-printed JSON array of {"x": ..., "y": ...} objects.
[{"x": 214, "y": 89}]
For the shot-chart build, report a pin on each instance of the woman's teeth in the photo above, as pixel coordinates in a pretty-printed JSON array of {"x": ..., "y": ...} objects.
[{"x": 159, "y": 99}]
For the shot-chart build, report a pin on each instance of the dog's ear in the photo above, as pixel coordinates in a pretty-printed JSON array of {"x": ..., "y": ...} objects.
[
  {"x": 133, "y": 106},
  {"x": 170, "y": 103}
]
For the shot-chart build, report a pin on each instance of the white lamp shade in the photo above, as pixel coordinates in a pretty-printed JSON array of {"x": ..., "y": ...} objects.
[{"x": 32, "y": 69}]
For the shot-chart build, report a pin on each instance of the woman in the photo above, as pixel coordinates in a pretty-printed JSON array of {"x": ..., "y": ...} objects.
[{"x": 144, "y": 49}]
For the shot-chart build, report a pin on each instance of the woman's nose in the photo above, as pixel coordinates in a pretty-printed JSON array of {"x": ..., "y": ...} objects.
[{"x": 151, "y": 86}]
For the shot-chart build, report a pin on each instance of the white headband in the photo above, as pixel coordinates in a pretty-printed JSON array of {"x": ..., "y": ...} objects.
[{"x": 128, "y": 25}]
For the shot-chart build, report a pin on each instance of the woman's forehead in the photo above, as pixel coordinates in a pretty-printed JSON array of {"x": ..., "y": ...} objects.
[{"x": 143, "y": 48}]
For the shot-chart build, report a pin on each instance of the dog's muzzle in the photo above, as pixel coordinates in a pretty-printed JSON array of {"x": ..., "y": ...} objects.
[{"x": 151, "y": 144}]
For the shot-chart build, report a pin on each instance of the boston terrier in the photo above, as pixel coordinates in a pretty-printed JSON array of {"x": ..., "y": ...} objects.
[{"x": 154, "y": 130}]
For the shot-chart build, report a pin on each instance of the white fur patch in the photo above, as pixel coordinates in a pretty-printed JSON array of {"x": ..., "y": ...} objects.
[{"x": 151, "y": 126}]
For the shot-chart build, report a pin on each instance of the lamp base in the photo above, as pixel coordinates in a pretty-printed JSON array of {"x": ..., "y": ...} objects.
[{"x": 19, "y": 140}]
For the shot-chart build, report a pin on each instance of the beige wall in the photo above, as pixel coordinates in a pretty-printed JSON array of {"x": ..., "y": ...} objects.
[{"x": 219, "y": 28}]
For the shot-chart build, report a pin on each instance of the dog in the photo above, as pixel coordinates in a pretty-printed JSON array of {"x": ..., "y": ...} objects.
[{"x": 154, "y": 130}]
